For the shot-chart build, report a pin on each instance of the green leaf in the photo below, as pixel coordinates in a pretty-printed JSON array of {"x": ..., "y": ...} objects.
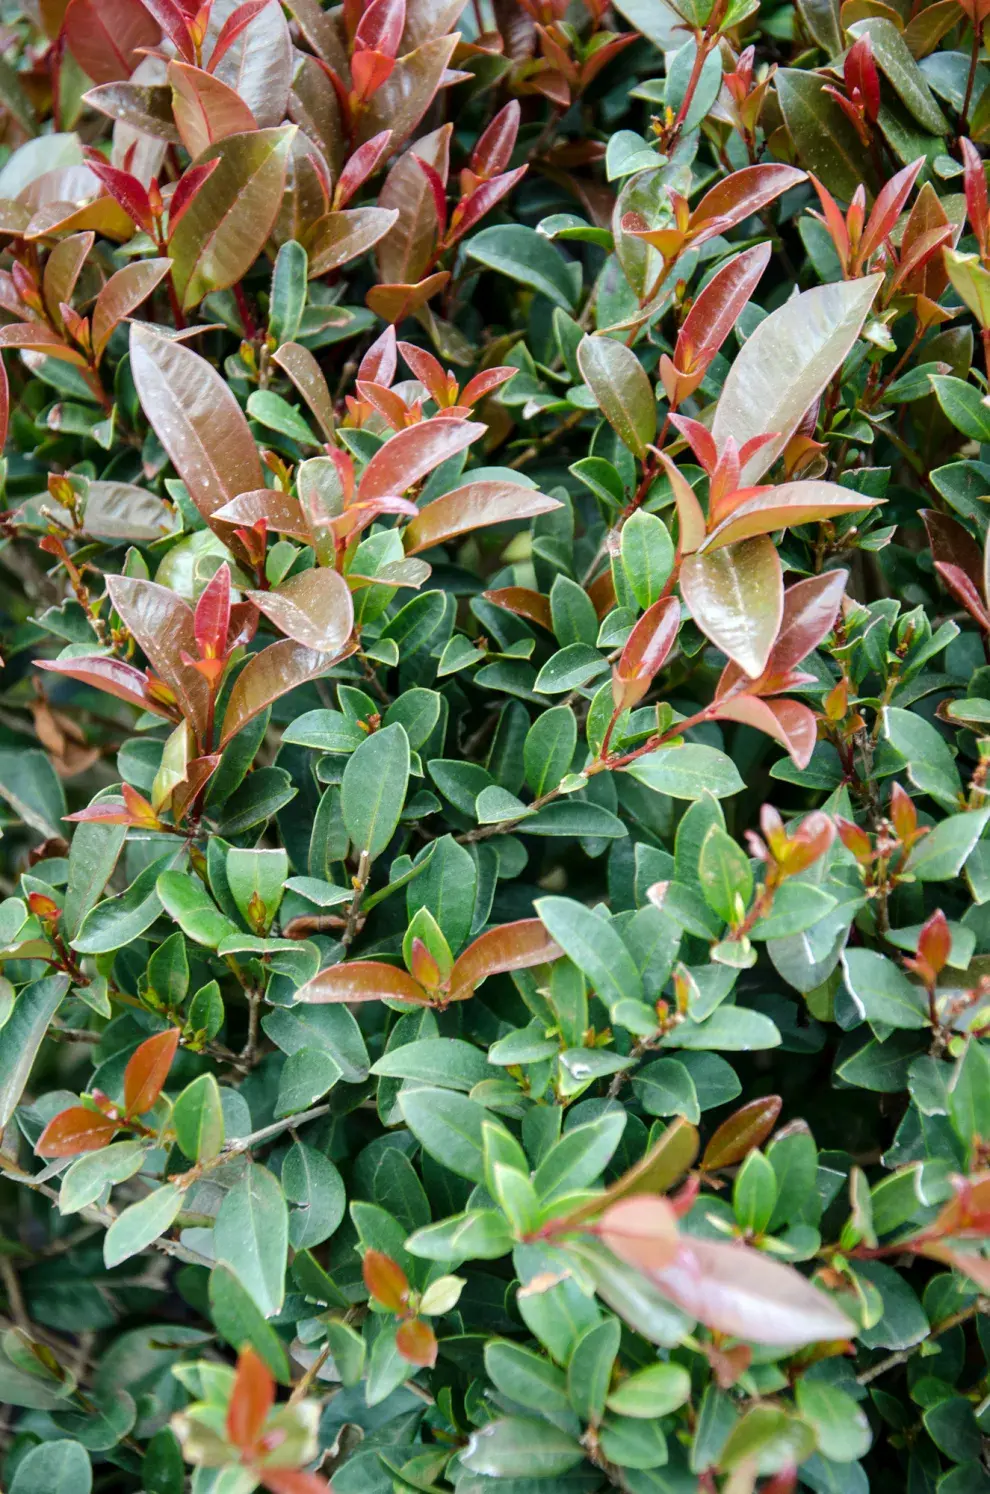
[
  {"x": 549, "y": 748},
  {"x": 141, "y": 1224},
  {"x": 373, "y": 789},
  {"x": 198, "y": 1119},
  {"x": 882, "y": 992},
  {"x": 623, "y": 393},
  {"x": 315, "y": 1190},
  {"x": 251, "y": 1237},
  {"x": 963, "y": 404},
  {"x": 655, "y": 1391},
  {"x": 647, "y": 556},
  {"x": 841, "y": 1426},
  {"x": 893, "y": 57},
  {"x": 118, "y": 920},
  {"x": 32, "y": 788},
  {"x": 189, "y": 903},
  {"x": 87, "y": 1177},
  {"x": 448, "y": 1126},
  {"x": 288, "y": 294},
  {"x": 307, "y": 1075},
  {"x": 725, "y": 875},
  {"x": 22, "y": 1035},
  {"x": 687, "y": 772},
  {"x": 526, "y": 256},
  {"x": 824, "y": 139},
  {"x": 665, "y": 1087},
  {"x": 60, "y": 1467},
  {"x": 519, "y": 1447},
  {"x": 240, "y": 1321},
  {"x": 589, "y": 1370},
  {"x": 594, "y": 946},
  {"x": 943, "y": 852},
  {"x": 93, "y": 855}
]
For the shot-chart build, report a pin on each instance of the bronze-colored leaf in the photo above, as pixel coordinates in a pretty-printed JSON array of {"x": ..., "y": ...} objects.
[
  {"x": 513, "y": 946},
  {"x": 205, "y": 109},
  {"x": 477, "y": 504},
  {"x": 362, "y": 980},
  {"x": 736, "y": 597},
  {"x": 267, "y": 675},
  {"x": 313, "y": 608},
  {"x": 162, "y": 624},
  {"x": 338, "y": 237},
  {"x": 122, "y": 294}
]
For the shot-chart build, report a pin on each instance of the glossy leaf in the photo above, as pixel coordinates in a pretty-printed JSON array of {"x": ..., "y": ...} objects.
[
  {"x": 313, "y": 608},
  {"x": 471, "y": 507},
  {"x": 736, "y": 596}
]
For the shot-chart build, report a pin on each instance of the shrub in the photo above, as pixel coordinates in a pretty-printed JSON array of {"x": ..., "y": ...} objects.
[{"x": 496, "y": 990}]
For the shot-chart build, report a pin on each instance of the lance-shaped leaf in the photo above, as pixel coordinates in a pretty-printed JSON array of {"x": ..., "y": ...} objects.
[
  {"x": 402, "y": 100},
  {"x": 740, "y": 195},
  {"x": 958, "y": 558},
  {"x": 62, "y": 271},
  {"x": 111, "y": 675},
  {"x": 736, "y": 597},
  {"x": 362, "y": 980},
  {"x": 76, "y": 1130},
  {"x": 785, "y": 365},
  {"x": 810, "y": 609},
  {"x": 717, "y": 307},
  {"x": 621, "y": 388},
  {"x": 410, "y": 454},
  {"x": 147, "y": 1069},
  {"x": 251, "y": 1399},
  {"x": 489, "y": 501},
  {"x": 197, "y": 419},
  {"x": 524, "y": 602},
  {"x": 162, "y": 624},
  {"x": 22, "y": 1035},
  {"x": 644, "y": 652},
  {"x": 321, "y": 33},
  {"x": 225, "y": 227},
  {"x": 34, "y": 337},
  {"x": 736, "y": 1290},
  {"x": 405, "y": 254},
  {"x": 106, "y": 37},
  {"x": 122, "y": 294},
  {"x": 257, "y": 59},
  {"x": 513, "y": 946},
  {"x": 781, "y": 507},
  {"x": 338, "y": 237},
  {"x": 314, "y": 608},
  {"x": 788, "y": 721},
  {"x": 280, "y": 511},
  {"x": 304, "y": 371},
  {"x": 267, "y": 675},
  {"x": 205, "y": 109},
  {"x": 690, "y": 514},
  {"x": 747, "y": 1127}
]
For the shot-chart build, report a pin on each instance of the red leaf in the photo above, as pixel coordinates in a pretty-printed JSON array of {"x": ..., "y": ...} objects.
[
  {"x": 236, "y": 22},
  {"x": 742, "y": 1292},
  {"x": 212, "y": 617},
  {"x": 860, "y": 75},
  {"x": 76, "y": 1130},
  {"x": 524, "y": 603},
  {"x": 963, "y": 590},
  {"x": 887, "y": 209},
  {"x": 362, "y": 980},
  {"x": 360, "y": 166},
  {"x": 810, "y": 610},
  {"x": 417, "y": 1343},
  {"x": 293, "y": 1481},
  {"x": 975, "y": 179},
  {"x": 645, "y": 650},
  {"x": 369, "y": 71},
  {"x": 484, "y": 383},
  {"x": 106, "y": 36},
  {"x": 4, "y": 404},
  {"x": 427, "y": 370},
  {"x": 488, "y": 501},
  {"x": 147, "y": 1069},
  {"x": 494, "y": 150},
  {"x": 952, "y": 544},
  {"x": 935, "y": 941},
  {"x": 172, "y": 21},
  {"x": 379, "y": 362},
  {"x": 717, "y": 308},
  {"x": 514, "y": 946},
  {"x": 438, "y": 193},
  {"x": 381, "y": 27},
  {"x": 186, "y": 188},
  {"x": 111, "y": 675},
  {"x": 641, "y": 1230},
  {"x": 251, "y": 1400},
  {"x": 740, "y": 195},
  {"x": 481, "y": 201},
  {"x": 787, "y": 721},
  {"x": 411, "y": 454},
  {"x": 385, "y": 1280},
  {"x": 746, "y": 1128},
  {"x": 125, "y": 190}
]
